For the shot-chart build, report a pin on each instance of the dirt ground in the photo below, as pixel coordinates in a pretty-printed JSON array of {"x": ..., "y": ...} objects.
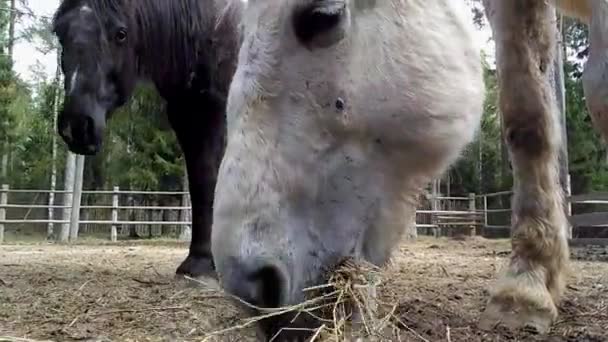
[{"x": 127, "y": 292}]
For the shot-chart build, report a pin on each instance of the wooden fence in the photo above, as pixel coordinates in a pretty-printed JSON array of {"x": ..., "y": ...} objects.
[
  {"x": 70, "y": 224},
  {"x": 582, "y": 210},
  {"x": 486, "y": 214}
]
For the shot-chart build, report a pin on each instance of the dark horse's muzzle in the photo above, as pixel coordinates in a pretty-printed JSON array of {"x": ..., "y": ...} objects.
[{"x": 81, "y": 126}]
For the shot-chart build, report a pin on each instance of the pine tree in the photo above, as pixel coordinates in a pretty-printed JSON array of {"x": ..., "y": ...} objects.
[{"x": 6, "y": 87}]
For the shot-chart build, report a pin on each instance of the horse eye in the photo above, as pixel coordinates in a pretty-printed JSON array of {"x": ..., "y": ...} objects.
[
  {"x": 320, "y": 19},
  {"x": 121, "y": 35}
]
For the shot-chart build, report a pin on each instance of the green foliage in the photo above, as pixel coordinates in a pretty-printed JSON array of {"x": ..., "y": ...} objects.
[
  {"x": 143, "y": 152},
  {"x": 8, "y": 90},
  {"x": 41, "y": 35},
  {"x": 7, "y": 94},
  {"x": 32, "y": 157},
  {"x": 480, "y": 168},
  {"x": 587, "y": 153}
]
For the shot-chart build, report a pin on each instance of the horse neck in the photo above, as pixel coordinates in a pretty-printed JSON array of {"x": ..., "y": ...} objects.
[{"x": 174, "y": 39}]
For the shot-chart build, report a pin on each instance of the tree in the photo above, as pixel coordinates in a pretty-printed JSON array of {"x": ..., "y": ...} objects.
[
  {"x": 6, "y": 88},
  {"x": 588, "y": 167},
  {"x": 143, "y": 152},
  {"x": 56, "y": 92},
  {"x": 478, "y": 169}
]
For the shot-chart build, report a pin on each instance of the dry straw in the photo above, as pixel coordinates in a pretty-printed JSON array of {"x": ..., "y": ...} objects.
[
  {"x": 346, "y": 308},
  {"x": 17, "y": 339}
]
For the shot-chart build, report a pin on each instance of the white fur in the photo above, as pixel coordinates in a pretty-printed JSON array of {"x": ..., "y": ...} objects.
[
  {"x": 73, "y": 80},
  {"x": 86, "y": 9},
  {"x": 411, "y": 78}
]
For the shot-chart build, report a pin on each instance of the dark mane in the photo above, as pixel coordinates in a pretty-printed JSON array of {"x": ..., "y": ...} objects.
[
  {"x": 180, "y": 42},
  {"x": 177, "y": 42}
]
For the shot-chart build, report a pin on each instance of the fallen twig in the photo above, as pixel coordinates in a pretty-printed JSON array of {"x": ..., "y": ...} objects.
[
  {"x": 149, "y": 282},
  {"x": 111, "y": 312},
  {"x": 83, "y": 285},
  {"x": 19, "y": 339},
  {"x": 72, "y": 322}
]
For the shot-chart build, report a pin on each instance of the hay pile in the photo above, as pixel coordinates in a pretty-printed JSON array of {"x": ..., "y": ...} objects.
[
  {"x": 351, "y": 307},
  {"x": 346, "y": 307}
]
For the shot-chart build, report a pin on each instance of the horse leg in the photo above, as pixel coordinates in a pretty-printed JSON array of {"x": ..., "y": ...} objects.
[
  {"x": 201, "y": 136},
  {"x": 528, "y": 292}
]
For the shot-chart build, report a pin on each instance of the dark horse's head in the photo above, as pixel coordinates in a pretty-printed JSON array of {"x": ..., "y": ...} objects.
[{"x": 99, "y": 64}]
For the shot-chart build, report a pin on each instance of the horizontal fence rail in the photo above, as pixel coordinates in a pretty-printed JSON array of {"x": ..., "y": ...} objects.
[
  {"x": 475, "y": 214},
  {"x": 112, "y": 210}
]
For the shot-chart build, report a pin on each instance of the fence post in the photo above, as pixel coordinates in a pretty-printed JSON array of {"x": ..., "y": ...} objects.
[
  {"x": 3, "y": 203},
  {"x": 435, "y": 207},
  {"x": 114, "y": 232},
  {"x": 569, "y": 205},
  {"x": 68, "y": 197},
  {"x": 485, "y": 214},
  {"x": 75, "y": 217},
  {"x": 186, "y": 216},
  {"x": 473, "y": 212},
  {"x": 50, "y": 226}
]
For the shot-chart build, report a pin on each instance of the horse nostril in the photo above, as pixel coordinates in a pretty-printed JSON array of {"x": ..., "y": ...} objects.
[
  {"x": 268, "y": 284},
  {"x": 258, "y": 283},
  {"x": 89, "y": 130}
]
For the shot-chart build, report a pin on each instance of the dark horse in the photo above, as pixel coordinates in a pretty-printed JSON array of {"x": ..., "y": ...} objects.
[{"x": 188, "y": 49}]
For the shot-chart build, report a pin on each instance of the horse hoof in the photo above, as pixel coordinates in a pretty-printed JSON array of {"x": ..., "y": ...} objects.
[
  {"x": 518, "y": 314},
  {"x": 197, "y": 267}
]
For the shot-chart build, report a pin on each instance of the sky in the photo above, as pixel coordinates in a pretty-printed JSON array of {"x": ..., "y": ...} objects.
[{"x": 26, "y": 55}]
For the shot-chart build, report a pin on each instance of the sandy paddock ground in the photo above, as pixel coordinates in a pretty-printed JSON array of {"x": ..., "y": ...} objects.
[{"x": 127, "y": 292}]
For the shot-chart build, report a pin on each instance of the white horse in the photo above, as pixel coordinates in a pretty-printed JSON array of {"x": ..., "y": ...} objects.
[{"x": 340, "y": 111}]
